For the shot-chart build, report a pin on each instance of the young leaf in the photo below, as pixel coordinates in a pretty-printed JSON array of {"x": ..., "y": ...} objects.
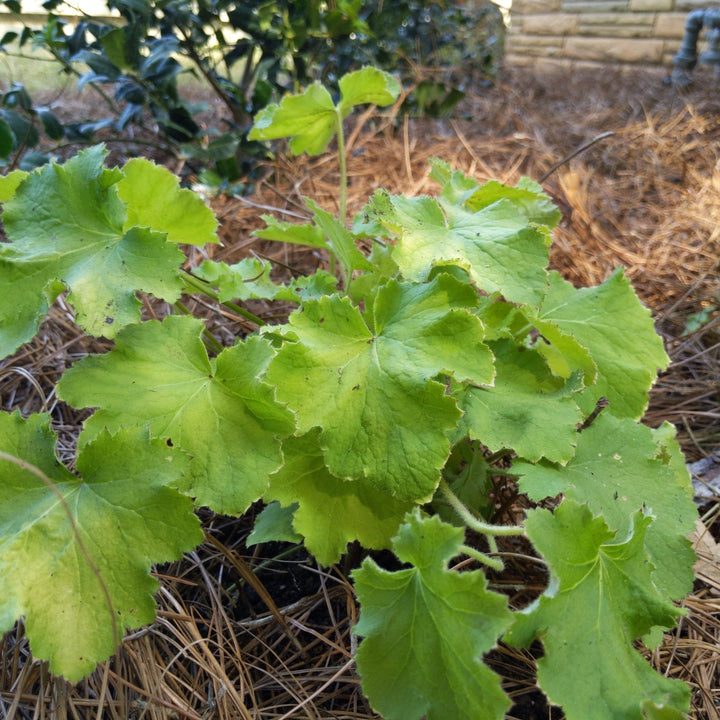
[
  {"x": 332, "y": 512},
  {"x": 617, "y": 472},
  {"x": 527, "y": 195},
  {"x": 309, "y": 118},
  {"x": 250, "y": 279},
  {"x": 610, "y": 321},
  {"x": 216, "y": 410},
  {"x": 496, "y": 246},
  {"x": 124, "y": 517},
  {"x": 602, "y": 600},
  {"x": 366, "y": 382},
  {"x": 65, "y": 223},
  {"x": 367, "y": 85},
  {"x": 426, "y": 628},
  {"x": 155, "y": 200},
  {"x": 527, "y": 409}
]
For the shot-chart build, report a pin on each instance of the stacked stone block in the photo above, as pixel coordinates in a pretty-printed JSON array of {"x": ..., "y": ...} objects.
[{"x": 645, "y": 32}]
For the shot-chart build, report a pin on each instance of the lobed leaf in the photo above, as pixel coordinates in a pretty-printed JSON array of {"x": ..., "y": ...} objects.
[
  {"x": 367, "y": 381},
  {"x": 369, "y": 85},
  {"x": 527, "y": 409},
  {"x": 495, "y": 245},
  {"x": 309, "y": 118},
  {"x": 617, "y": 470},
  {"x": 425, "y": 629},
  {"x": 609, "y": 321},
  {"x": 331, "y": 512},
  {"x": 527, "y": 195},
  {"x": 218, "y": 410},
  {"x": 67, "y": 230},
  {"x": 601, "y": 600},
  {"x": 155, "y": 200},
  {"x": 124, "y": 515}
]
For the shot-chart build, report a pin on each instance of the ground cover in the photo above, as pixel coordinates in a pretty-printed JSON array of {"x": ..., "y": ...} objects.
[{"x": 236, "y": 639}]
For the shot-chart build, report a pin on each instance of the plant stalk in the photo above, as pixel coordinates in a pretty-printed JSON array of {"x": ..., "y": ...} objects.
[{"x": 475, "y": 523}]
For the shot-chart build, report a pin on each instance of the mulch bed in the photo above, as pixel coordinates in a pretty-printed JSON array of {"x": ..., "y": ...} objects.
[{"x": 238, "y": 638}]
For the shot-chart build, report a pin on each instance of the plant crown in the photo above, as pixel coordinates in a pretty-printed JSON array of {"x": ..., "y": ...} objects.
[{"x": 439, "y": 354}]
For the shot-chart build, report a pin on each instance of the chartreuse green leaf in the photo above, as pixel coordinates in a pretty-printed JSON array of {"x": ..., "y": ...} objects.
[
  {"x": 217, "y": 410},
  {"x": 527, "y": 195},
  {"x": 527, "y": 408},
  {"x": 250, "y": 279},
  {"x": 619, "y": 469},
  {"x": 366, "y": 381},
  {"x": 600, "y": 601},
  {"x": 66, "y": 226},
  {"x": 425, "y": 630},
  {"x": 124, "y": 517},
  {"x": 610, "y": 321},
  {"x": 332, "y": 512},
  {"x": 369, "y": 85},
  {"x": 495, "y": 245},
  {"x": 9, "y": 184},
  {"x": 311, "y": 119},
  {"x": 155, "y": 200}
]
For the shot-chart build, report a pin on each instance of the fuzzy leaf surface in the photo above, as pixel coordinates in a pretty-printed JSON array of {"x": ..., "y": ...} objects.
[
  {"x": 155, "y": 200},
  {"x": 610, "y": 321},
  {"x": 601, "y": 600},
  {"x": 217, "y": 410},
  {"x": 527, "y": 409},
  {"x": 619, "y": 469},
  {"x": 426, "y": 628},
  {"x": 66, "y": 227},
  {"x": 126, "y": 517},
  {"x": 332, "y": 512},
  {"x": 495, "y": 245},
  {"x": 366, "y": 381}
]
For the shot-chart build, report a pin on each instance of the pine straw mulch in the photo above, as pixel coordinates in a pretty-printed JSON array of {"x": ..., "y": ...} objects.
[{"x": 263, "y": 633}]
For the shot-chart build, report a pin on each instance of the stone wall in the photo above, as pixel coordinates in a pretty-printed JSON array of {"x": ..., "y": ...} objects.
[{"x": 647, "y": 32}]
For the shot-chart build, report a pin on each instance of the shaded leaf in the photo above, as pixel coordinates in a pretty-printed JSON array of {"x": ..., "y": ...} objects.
[{"x": 425, "y": 630}]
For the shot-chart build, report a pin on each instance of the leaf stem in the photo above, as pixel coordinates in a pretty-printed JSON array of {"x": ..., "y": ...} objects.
[
  {"x": 481, "y": 557},
  {"x": 475, "y": 523},
  {"x": 204, "y": 288},
  {"x": 343, "y": 167}
]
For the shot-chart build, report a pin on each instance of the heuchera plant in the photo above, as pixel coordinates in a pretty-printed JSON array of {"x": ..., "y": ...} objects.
[{"x": 378, "y": 412}]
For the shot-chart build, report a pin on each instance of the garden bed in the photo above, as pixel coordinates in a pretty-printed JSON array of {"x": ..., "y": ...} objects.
[{"x": 236, "y": 638}]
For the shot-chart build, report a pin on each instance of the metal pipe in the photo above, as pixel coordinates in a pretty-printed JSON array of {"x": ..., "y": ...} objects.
[{"x": 687, "y": 57}]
